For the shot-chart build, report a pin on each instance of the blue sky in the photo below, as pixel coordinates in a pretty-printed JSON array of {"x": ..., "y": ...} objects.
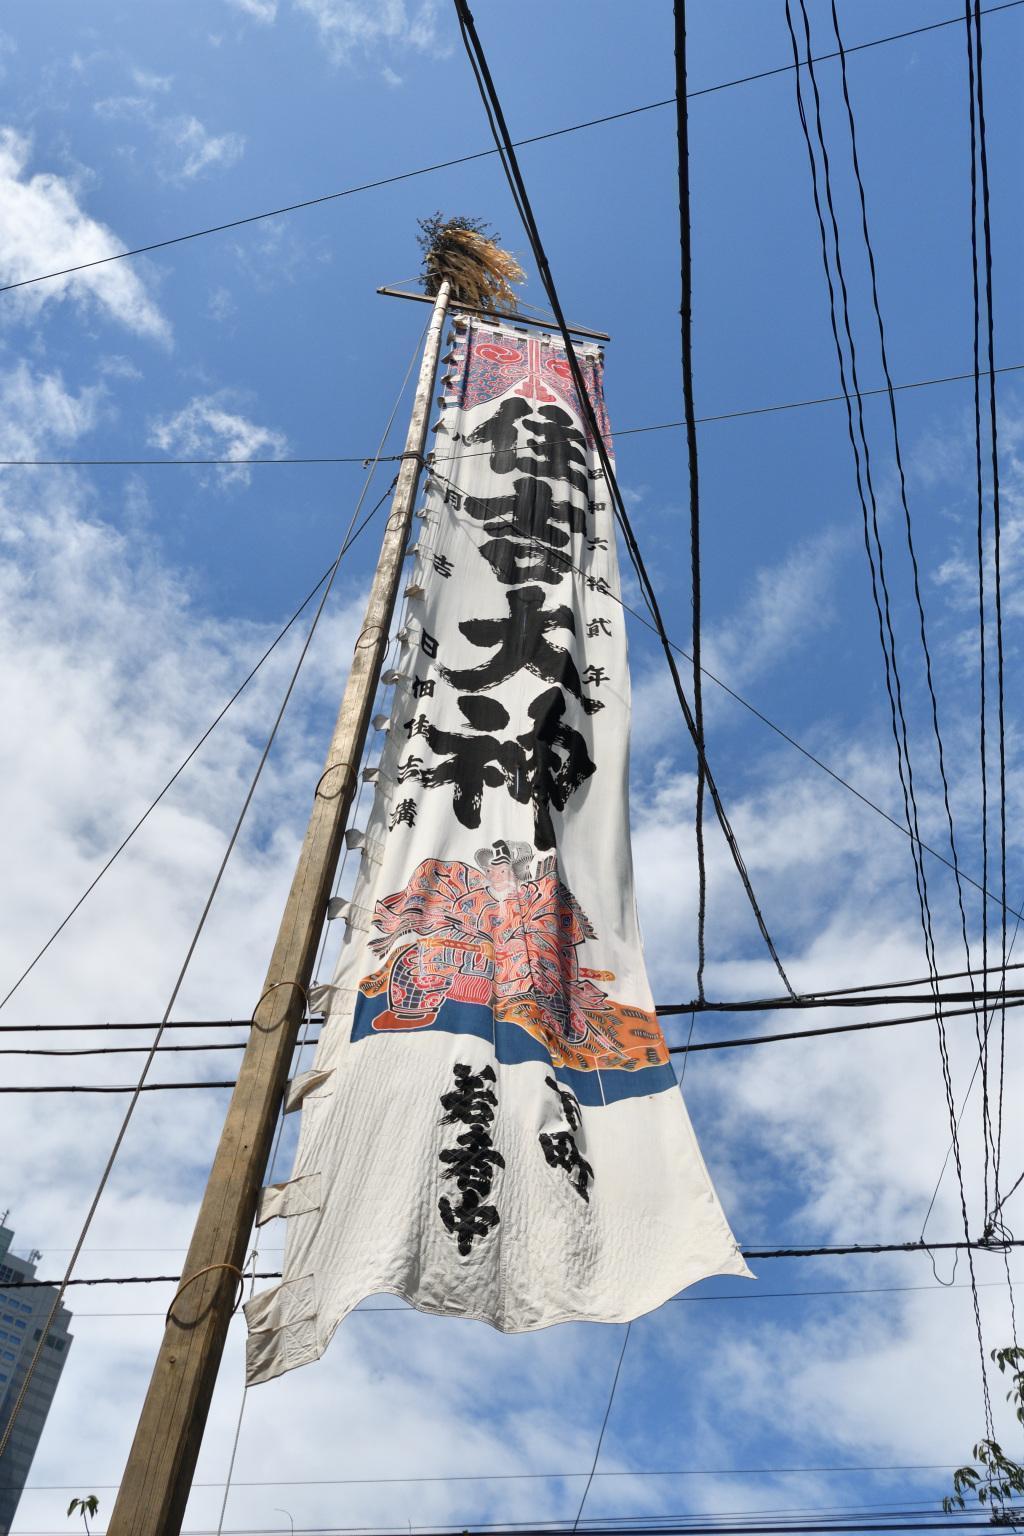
[{"x": 135, "y": 600}]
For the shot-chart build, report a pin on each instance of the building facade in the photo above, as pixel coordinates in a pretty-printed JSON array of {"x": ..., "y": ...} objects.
[{"x": 23, "y": 1315}]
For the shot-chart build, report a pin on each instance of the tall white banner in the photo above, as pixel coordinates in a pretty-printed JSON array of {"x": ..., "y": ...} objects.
[{"x": 492, "y": 1128}]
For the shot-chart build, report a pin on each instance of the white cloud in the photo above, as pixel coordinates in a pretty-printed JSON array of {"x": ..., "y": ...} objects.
[
  {"x": 348, "y": 28},
  {"x": 263, "y": 11},
  {"x": 148, "y": 80},
  {"x": 108, "y": 671},
  {"x": 43, "y": 229},
  {"x": 206, "y": 428},
  {"x": 115, "y": 366},
  {"x": 787, "y": 604},
  {"x": 220, "y": 305},
  {"x": 389, "y": 77},
  {"x": 199, "y": 150},
  {"x": 187, "y": 148},
  {"x": 36, "y": 409}
]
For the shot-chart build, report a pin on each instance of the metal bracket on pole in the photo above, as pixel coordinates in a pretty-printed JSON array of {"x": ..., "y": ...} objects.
[{"x": 497, "y": 314}]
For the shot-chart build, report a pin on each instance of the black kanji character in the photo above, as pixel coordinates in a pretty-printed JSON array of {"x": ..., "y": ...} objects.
[
  {"x": 471, "y": 762},
  {"x": 416, "y": 727},
  {"x": 561, "y": 1151},
  {"x": 404, "y": 813},
  {"x": 443, "y": 566},
  {"x": 472, "y": 1163},
  {"x": 413, "y": 768},
  {"x": 597, "y": 543},
  {"x": 429, "y": 644},
  {"x": 570, "y": 1104},
  {"x": 557, "y": 762},
  {"x": 594, "y": 628},
  {"x": 555, "y": 446},
  {"x": 471, "y": 1101},
  {"x": 467, "y": 1220},
  {"x": 521, "y": 641},
  {"x": 423, "y": 687},
  {"x": 595, "y": 675},
  {"x": 531, "y": 532},
  {"x": 598, "y": 584}
]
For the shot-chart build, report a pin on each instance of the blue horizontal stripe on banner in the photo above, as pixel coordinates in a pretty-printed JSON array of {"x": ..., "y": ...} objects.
[{"x": 513, "y": 1044}]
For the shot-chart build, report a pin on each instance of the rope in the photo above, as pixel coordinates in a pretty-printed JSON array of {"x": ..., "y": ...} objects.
[
  {"x": 174, "y": 776},
  {"x": 236, "y": 830},
  {"x": 207, "y": 1269},
  {"x": 604, "y": 1426}
]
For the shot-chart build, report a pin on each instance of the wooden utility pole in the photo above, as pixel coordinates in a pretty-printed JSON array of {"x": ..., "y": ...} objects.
[{"x": 158, "y": 1476}]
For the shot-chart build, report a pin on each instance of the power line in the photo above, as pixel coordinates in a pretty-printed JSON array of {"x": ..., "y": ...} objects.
[
  {"x": 826, "y": 1251},
  {"x": 866, "y": 1290},
  {"x": 875, "y": 561},
  {"x": 820, "y": 997},
  {"x": 519, "y": 1477},
  {"x": 979, "y": 145},
  {"x": 510, "y": 165},
  {"x": 840, "y": 1000},
  {"x": 902, "y": 482},
  {"x": 483, "y": 154},
  {"x": 922, "y": 1520},
  {"x": 690, "y": 414},
  {"x": 797, "y": 1034},
  {"x": 361, "y": 458},
  {"x": 874, "y": 550},
  {"x": 663, "y": 1010}
]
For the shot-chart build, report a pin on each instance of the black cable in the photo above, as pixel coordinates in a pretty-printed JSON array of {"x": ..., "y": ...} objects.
[
  {"x": 902, "y": 481},
  {"x": 686, "y": 1299},
  {"x": 986, "y": 225},
  {"x": 798, "y": 1034},
  {"x": 37, "y": 1029},
  {"x": 483, "y": 154},
  {"x": 982, "y": 642},
  {"x": 841, "y": 1251},
  {"x": 839, "y": 1000},
  {"x": 689, "y": 410},
  {"x": 861, "y": 456},
  {"x": 924, "y": 1519},
  {"x": 361, "y": 458},
  {"x": 771, "y": 724},
  {"x": 878, "y": 582},
  {"x": 663, "y": 1010},
  {"x": 499, "y": 128}
]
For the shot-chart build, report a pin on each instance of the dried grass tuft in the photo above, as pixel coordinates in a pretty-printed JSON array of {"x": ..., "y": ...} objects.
[{"x": 462, "y": 250}]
